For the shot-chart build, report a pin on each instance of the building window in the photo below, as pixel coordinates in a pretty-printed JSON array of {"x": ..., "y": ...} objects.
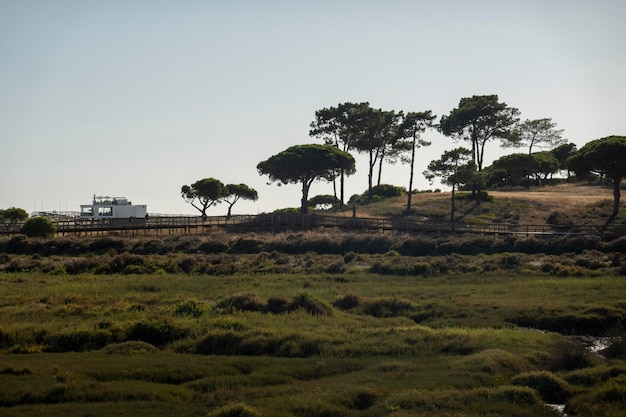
[{"x": 105, "y": 211}]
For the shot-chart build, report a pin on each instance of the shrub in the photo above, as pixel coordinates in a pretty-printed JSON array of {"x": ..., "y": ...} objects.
[
  {"x": 350, "y": 257},
  {"x": 569, "y": 355},
  {"x": 336, "y": 267},
  {"x": 247, "y": 245},
  {"x": 155, "y": 332},
  {"x": 189, "y": 308},
  {"x": 220, "y": 342},
  {"x": 235, "y": 410},
  {"x": 276, "y": 305},
  {"x": 310, "y": 305},
  {"x": 39, "y": 227},
  {"x": 558, "y": 218},
  {"x": 550, "y": 388},
  {"x": 347, "y": 302},
  {"x": 240, "y": 302},
  {"x": 360, "y": 400},
  {"x": 377, "y": 193},
  {"x": 213, "y": 246},
  {"x": 387, "y": 307},
  {"x": 107, "y": 244},
  {"x": 78, "y": 341},
  {"x": 129, "y": 348}
]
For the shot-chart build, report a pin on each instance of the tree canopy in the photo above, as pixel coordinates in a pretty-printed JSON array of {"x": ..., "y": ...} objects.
[
  {"x": 236, "y": 192},
  {"x": 341, "y": 126},
  {"x": 539, "y": 132},
  {"x": 455, "y": 167},
  {"x": 305, "y": 164},
  {"x": 479, "y": 119},
  {"x": 409, "y": 139},
  {"x": 605, "y": 157},
  {"x": 13, "y": 215},
  {"x": 208, "y": 192},
  {"x": 203, "y": 194}
]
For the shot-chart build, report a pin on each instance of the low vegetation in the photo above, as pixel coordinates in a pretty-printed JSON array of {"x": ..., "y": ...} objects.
[{"x": 312, "y": 324}]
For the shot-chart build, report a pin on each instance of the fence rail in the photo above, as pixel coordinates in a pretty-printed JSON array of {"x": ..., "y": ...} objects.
[{"x": 275, "y": 223}]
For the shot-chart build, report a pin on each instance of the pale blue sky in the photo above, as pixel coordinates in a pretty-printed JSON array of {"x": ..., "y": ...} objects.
[{"x": 136, "y": 98}]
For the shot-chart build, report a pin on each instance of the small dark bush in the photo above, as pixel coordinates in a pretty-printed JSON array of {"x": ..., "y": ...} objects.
[
  {"x": 16, "y": 372},
  {"x": 558, "y": 218},
  {"x": 235, "y": 410},
  {"x": 149, "y": 247},
  {"x": 240, "y": 302},
  {"x": 310, "y": 305},
  {"x": 616, "y": 245},
  {"x": 187, "y": 264},
  {"x": 39, "y": 227},
  {"x": 156, "y": 332},
  {"x": 569, "y": 355},
  {"x": 360, "y": 400},
  {"x": 129, "y": 348},
  {"x": 247, "y": 245},
  {"x": 550, "y": 388},
  {"x": 347, "y": 302},
  {"x": 189, "y": 308},
  {"x": 220, "y": 342},
  {"x": 78, "y": 341},
  {"x": 336, "y": 267},
  {"x": 379, "y": 192},
  {"x": 213, "y": 246},
  {"x": 387, "y": 307},
  {"x": 276, "y": 305},
  {"x": 107, "y": 244}
]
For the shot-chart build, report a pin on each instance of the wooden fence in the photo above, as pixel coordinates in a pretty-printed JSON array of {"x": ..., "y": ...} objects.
[{"x": 276, "y": 223}]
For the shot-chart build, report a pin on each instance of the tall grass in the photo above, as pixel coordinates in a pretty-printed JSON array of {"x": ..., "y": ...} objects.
[{"x": 301, "y": 344}]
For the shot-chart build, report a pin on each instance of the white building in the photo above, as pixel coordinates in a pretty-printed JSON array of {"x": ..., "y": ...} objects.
[{"x": 112, "y": 208}]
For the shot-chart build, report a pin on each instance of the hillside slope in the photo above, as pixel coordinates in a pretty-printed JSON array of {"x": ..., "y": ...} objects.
[{"x": 582, "y": 204}]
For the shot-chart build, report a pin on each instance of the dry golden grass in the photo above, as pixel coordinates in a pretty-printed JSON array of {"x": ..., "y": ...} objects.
[{"x": 582, "y": 203}]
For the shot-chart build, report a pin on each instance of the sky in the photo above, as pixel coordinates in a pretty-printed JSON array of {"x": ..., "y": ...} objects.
[{"x": 136, "y": 98}]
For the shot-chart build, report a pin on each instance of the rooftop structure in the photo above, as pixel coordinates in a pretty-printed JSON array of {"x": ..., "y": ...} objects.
[{"x": 112, "y": 208}]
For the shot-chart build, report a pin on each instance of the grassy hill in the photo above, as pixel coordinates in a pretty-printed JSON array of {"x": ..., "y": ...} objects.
[{"x": 582, "y": 204}]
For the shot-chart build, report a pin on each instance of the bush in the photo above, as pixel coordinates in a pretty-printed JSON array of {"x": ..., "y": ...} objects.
[
  {"x": 39, "y": 227},
  {"x": 240, "y": 302},
  {"x": 189, "y": 308},
  {"x": 155, "y": 332},
  {"x": 347, "y": 302},
  {"x": 220, "y": 342},
  {"x": 387, "y": 307},
  {"x": 235, "y": 410},
  {"x": 107, "y": 244},
  {"x": 379, "y": 192},
  {"x": 276, "y": 305},
  {"x": 78, "y": 341},
  {"x": 129, "y": 348},
  {"x": 550, "y": 388},
  {"x": 213, "y": 246},
  {"x": 558, "y": 218},
  {"x": 310, "y": 305}
]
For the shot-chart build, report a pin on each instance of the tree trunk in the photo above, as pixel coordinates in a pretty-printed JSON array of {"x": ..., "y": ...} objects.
[
  {"x": 380, "y": 166},
  {"x": 370, "y": 175},
  {"x": 616, "y": 199},
  {"x": 341, "y": 187},
  {"x": 452, "y": 208},
  {"x": 304, "y": 208},
  {"x": 408, "y": 202}
]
